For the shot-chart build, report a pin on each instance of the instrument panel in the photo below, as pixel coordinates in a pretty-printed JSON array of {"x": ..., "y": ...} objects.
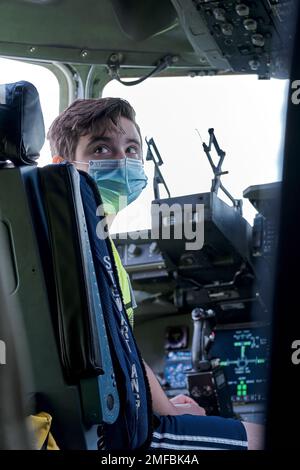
[{"x": 243, "y": 353}]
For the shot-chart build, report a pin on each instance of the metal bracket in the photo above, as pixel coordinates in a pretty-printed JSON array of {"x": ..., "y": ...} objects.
[{"x": 217, "y": 169}]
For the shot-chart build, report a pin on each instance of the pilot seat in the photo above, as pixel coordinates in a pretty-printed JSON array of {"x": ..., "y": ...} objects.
[{"x": 82, "y": 352}]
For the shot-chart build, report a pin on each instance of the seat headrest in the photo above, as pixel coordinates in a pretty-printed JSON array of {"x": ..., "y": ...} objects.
[{"x": 22, "y": 131}]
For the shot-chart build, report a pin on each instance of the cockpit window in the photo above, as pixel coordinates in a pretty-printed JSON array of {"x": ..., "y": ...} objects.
[
  {"x": 247, "y": 114},
  {"x": 47, "y": 85}
]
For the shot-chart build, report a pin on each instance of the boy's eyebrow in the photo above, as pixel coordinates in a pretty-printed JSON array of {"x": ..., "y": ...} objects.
[{"x": 103, "y": 138}]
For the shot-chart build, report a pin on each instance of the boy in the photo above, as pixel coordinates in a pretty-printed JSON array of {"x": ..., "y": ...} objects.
[{"x": 101, "y": 136}]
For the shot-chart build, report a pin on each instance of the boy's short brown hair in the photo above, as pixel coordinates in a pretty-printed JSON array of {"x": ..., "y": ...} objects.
[{"x": 82, "y": 117}]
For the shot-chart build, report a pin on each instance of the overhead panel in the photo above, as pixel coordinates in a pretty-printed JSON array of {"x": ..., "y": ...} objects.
[{"x": 242, "y": 36}]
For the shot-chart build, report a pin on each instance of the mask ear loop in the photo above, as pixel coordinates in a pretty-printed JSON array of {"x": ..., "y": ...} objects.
[{"x": 80, "y": 163}]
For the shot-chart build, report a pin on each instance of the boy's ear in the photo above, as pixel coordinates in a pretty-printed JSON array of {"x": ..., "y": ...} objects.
[{"x": 57, "y": 159}]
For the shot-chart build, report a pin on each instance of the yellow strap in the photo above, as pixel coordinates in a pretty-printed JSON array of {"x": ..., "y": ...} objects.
[{"x": 41, "y": 424}]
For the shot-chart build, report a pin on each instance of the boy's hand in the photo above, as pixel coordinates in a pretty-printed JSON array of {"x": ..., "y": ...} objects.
[{"x": 184, "y": 405}]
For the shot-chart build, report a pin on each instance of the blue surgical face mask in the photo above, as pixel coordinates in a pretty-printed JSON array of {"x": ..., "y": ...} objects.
[{"x": 120, "y": 181}]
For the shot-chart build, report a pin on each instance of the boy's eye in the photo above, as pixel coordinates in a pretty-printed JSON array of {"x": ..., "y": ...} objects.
[
  {"x": 102, "y": 149},
  {"x": 133, "y": 151}
]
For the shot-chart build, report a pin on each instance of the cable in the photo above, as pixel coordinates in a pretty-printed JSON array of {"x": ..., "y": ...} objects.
[
  {"x": 101, "y": 440},
  {"x": 114, "y": 67}
]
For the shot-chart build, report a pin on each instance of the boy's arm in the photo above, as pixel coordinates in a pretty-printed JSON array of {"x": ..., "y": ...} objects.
[{"x": 176, "y": 406}]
